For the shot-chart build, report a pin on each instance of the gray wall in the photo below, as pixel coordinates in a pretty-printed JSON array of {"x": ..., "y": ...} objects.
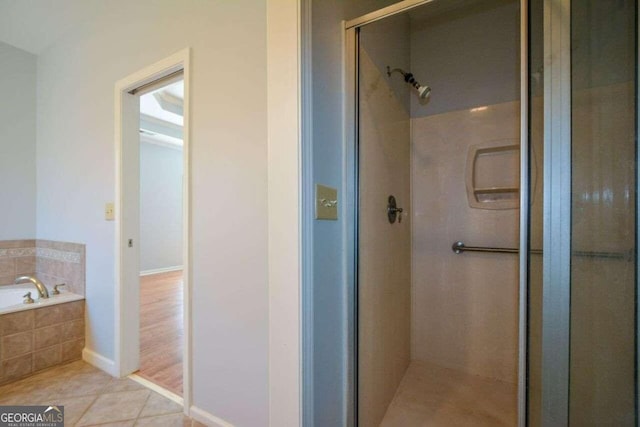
[
  {"x": 330, "y": 355},
  {"x": 387, "y": 43},
  {"x": 17, "y": 143},
  {"x": 469, "y": 56},
  {"x": 161, "y": 171}
]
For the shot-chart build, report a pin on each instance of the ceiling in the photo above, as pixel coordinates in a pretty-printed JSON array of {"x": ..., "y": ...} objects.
[
  {"x": 34, "y": 25},
  {"x": 161, "y": 117},
  {"x": 151, "y": 105}
]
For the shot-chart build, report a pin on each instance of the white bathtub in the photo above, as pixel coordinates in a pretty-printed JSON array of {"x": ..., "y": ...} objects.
[{"x": 11, "y": 298}]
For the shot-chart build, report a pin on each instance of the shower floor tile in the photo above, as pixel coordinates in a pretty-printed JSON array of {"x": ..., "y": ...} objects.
[{"x": 433, "y": 396}]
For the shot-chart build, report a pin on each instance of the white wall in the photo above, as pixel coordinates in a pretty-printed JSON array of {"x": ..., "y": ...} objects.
[
  {"x": 229, "y": 177},
  {"x": 160, "y": 206},
  {"x": 17, "y": 143}
]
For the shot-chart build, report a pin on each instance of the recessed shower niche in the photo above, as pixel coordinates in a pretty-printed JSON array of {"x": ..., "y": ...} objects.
[{"x": 493, "y": 175}]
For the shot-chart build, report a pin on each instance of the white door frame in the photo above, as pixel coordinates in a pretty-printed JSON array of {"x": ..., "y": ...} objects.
[
  {"x": 127, "y": 302},
  {"x": 350, "y": 81},
  {"x": 284, "y": 158}
]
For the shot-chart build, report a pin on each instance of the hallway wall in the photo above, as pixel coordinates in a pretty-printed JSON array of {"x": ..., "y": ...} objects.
[{"x": 161, "y": 179}]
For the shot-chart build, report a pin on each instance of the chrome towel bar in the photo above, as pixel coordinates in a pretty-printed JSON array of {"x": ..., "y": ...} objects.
[{"x": 460, "y": 247}]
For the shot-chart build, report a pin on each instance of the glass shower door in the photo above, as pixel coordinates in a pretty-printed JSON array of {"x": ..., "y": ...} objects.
[
  {"x": 602, "y": 388},
  {"x": 583, "y": 291}
]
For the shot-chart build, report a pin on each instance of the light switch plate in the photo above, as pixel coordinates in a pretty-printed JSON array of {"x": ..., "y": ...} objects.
[
  {"x": 326, "y": 202},
  {"x": 109, "y": 212}
]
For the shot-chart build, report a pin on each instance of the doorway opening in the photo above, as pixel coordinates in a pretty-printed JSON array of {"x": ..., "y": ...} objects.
[
  {"x": 161, "y": 234},
  {"x": 153, "y": 231}
]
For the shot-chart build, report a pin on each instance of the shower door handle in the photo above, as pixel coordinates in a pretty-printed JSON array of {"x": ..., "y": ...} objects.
[{"x": 393, "y": 211}]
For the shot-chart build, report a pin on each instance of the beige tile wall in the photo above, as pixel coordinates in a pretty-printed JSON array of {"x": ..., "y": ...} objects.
[
  {"x": 464, "y": 307},
  {"x": 384, "y": 283},
  {"x": 52, "y": 262},
  {"x": 32, "y": 340},
  {"x": 17, "y": 257},
  {"x": 61, "y": 262}
]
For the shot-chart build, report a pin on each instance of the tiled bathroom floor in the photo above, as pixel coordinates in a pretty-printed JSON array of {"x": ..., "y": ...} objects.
[
  {"x": 433, "y": 396},
  {"x": 91, "y": 397}
]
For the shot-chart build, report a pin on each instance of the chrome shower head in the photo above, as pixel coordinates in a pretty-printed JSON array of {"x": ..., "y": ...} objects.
[{"x": 423, "y": 91}]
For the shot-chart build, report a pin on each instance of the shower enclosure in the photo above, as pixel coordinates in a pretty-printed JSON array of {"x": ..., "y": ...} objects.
[{"x": 492, "y": 164}]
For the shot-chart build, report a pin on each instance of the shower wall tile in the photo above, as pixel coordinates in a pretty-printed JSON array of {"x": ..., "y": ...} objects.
[
  {"x": 384, "y": 264},
  {"x": 464, "y": 307}
]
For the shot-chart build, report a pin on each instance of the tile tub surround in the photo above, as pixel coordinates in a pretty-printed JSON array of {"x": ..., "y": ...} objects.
[
  {"x": 52, "y": 262},
  {"x": 33, "y": 340},
  {"x": 17, "y": 257},
  {"x": 92, "y": 397}
]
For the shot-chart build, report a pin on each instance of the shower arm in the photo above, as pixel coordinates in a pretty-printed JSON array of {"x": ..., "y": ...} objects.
[
  {"x": 407, "y": 76},
  {"x": 423, "y": 91}
]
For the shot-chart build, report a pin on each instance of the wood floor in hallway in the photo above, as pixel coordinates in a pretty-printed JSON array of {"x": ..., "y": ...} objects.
[{"x": 162, "y": 330}]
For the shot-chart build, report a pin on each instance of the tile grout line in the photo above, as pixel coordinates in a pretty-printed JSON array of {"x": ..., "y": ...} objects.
[
  {"x": 98, "y": 394},
  {"x": 142, "y": 407},
  {"x": 65, "y": 388},
  {"x": 86, "y": 409}
]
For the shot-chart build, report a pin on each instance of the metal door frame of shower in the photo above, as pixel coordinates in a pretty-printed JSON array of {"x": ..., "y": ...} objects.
[
  {"x": 557, "y": 221},
  {"x": 556, "y": 246},
  {"x": 350, "y": 190}
]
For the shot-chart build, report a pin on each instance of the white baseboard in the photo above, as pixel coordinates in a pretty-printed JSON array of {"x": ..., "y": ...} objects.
[
  {"x": 206, "y": 418},
  {"x": 160, "y": 270},
  {"x": 99, "y": 361}
]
